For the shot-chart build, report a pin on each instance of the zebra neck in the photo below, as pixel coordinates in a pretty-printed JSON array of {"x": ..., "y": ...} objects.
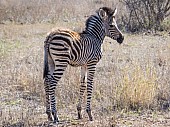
[
  {"x": 99, "y": 35},
  {"x": 94, "y": 27}
]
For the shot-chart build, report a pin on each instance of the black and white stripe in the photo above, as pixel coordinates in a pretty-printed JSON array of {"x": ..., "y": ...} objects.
[{"x": 64, "y": 47}]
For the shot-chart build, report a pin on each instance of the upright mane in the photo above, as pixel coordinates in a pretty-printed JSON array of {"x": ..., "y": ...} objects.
[
  {"x": 96, "y": 16},
  {"x": 90, "y": 19}
]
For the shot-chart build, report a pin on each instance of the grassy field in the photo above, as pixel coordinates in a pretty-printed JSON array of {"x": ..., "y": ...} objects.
[{"x": 131, "y": 87}]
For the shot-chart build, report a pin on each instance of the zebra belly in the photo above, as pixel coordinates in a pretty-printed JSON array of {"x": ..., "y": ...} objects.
[{"x": 77, "y": 63}]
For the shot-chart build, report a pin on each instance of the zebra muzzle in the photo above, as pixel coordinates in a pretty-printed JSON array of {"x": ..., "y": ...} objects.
[{"x": 120, "y": 39}]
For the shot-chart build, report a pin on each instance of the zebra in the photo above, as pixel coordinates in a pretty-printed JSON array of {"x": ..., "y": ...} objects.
[{"x": 64, "y": 47}]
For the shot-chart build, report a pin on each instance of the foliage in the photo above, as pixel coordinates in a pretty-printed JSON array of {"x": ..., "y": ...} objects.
[{"x": 145, "y": 14}]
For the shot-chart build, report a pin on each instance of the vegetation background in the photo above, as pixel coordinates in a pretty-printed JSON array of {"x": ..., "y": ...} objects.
[{"x": 132, "y": 85}]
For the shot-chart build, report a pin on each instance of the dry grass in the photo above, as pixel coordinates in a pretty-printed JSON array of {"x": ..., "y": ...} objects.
[
  {"x": 131, "y": 86},
  {"x": 138, "y": 88},
  {"x": 42, "y": 11},
  {"x": 130, "y": 77}
]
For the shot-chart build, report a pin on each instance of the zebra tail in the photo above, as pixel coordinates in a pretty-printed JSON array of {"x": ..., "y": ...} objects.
[{"x": 45, "y": 61}]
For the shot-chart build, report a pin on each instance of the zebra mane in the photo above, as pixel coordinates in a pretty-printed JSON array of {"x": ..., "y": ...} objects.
[
  {"x": 89, "y": 20},
  {"x": 108, "y": 11}
]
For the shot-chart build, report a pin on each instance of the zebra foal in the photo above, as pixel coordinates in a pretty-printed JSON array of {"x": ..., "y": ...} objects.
[{"x": 64, "y": 47}]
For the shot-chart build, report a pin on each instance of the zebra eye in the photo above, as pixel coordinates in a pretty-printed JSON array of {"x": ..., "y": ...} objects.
[{"x": 111, "y": 25}]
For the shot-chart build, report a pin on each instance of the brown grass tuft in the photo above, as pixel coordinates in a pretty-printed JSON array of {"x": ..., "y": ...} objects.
[{"x": 139, "y": 87}]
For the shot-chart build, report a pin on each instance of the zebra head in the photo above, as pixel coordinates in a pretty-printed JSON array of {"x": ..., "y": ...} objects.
[{"x": 110, "y": 26}]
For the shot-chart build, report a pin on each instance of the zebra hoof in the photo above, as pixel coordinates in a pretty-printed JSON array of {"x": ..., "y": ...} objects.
[
  {"x": 79, "y": 116},
  {"x": 89, "y": 114},
  {"x": 55, "y": 122},
  {"x": 79, "y": 112},
  {"x": 90, "y": 119},
  {"x": 49, "y": 117},
  {"x": 55, "y": 118}
]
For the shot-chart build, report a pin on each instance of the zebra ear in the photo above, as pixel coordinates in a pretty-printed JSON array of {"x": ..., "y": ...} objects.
[
  {"x": 115, "y": 12},
  {"x": 102, "y": 13}
]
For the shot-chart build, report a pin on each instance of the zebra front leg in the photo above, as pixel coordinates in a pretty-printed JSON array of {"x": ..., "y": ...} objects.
[
  {"x": 90, "y": 75},
  {"x": 82, "y": 89}
]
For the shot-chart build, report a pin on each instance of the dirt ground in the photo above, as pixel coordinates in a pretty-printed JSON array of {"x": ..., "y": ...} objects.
[{"x": 21, "y": 86}]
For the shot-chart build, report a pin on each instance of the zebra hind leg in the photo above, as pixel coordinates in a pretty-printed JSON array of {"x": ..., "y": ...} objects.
[
  {"x": 48, "y": 111},
  {"x": 57, "y": 74},
  {"x": 53, "y": 107}
]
